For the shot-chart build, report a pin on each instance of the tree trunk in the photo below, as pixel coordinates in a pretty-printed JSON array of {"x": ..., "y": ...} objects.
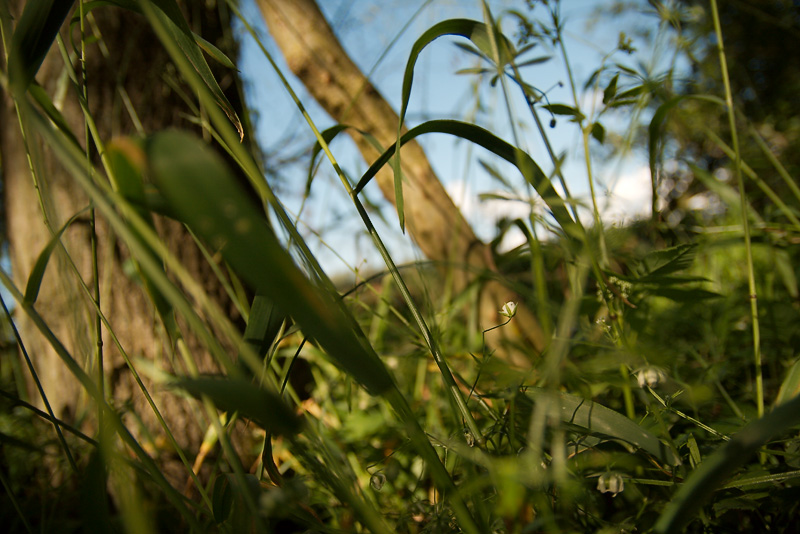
[
  {"x": 316, "y": 57},
  {"x": 127, "y": 62}
]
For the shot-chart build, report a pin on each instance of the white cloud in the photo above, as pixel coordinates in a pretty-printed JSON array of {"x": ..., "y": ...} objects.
[{"x": 628, "y": 197}]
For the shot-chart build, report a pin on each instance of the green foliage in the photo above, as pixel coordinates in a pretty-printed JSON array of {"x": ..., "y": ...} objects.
[{"x": 643, "y": 413}]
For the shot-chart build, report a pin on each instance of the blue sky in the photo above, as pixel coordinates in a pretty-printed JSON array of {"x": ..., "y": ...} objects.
[{"x": 367, "y": 30}]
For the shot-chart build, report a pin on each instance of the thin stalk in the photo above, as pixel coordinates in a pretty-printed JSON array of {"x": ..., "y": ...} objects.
[
  {"x": 751, "y": 279},
  {"x": 487, "y": 15},
  {"x": 98, "y": 324},
  {"x": 585, "y": 132}
]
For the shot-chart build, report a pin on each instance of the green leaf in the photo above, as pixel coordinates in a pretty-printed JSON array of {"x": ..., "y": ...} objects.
[
  {"x": 790, "y": 386},
  {"x": 611, "y": 90},
  {"x": 532, "y": 173},
  {"x": 684, "y": 294},
  {"x": 214, "y": 52},
  {"x": 263, "y": 324},
  {"x": 43, "y": 99},
  {"x": 475, "y": 31},
  {"x": 37, "y": 273},
  {"x": 599, "y": 132},
  {"x": 563, "y": 109},
  {"x": 221, "y": 499},
  {"x": 34, "y": 35},
  {"x": 204, "y": 193},
  {"x": 263, "y": 407},
  {"x": 599, "y": 420},
  {"x": 668, "y": 261}
]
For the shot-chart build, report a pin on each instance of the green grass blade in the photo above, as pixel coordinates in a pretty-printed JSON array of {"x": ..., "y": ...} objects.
[
  {"x": 532, "y": 173},
  {"x": 34, "y": 35},
  {"x": 205, "y": 194},
  {"x": 479, "y": 34},
  {"x": 37, "y": 273},
  {"x": 790, "y": 386},
  {"x": 263, "y": 407},
  {"x": 475, "y": 31},
  {"x": 597, "y": 419}
]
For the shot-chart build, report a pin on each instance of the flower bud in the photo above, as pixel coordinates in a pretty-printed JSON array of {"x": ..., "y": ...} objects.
[
  {"x": 610, "y": 483},
  {"x": 509, "y": 309}
]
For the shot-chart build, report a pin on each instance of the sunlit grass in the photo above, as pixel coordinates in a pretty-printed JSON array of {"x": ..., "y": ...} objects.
[{"x": 381, "y": 407}]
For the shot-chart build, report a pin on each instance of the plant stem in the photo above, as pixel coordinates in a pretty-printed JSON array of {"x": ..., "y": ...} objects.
[{"x": 751, "y": 281}]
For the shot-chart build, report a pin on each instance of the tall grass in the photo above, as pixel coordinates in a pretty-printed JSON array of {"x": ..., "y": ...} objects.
[{"x": 644, "y": 412}]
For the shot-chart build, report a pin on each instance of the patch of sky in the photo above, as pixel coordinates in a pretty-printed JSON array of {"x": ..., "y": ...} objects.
[{"x": 378, "y": 35}]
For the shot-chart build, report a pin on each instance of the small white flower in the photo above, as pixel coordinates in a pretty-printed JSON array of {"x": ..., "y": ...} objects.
[
  {"x": 377, "y": 480},
  {"x": 509, "y": 309},
  {"x": 610, "y": 483},
  {"x": 650, "y": 376}
]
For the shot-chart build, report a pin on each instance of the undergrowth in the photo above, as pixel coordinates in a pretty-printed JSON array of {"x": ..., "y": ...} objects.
[{"x": 665, "y": 398}]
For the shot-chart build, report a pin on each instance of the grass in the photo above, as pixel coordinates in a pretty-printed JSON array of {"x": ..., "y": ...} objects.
[{"x": 665, "y": 400}]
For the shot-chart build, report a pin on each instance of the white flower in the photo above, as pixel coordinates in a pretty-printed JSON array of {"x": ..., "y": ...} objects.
[
  {"x": 650, "y": 376},
  {"x": 610, "y": 483},
  {"x": 509, "y": 309}
]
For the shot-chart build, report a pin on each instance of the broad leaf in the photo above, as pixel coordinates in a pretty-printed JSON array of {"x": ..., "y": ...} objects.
[
  {"x": 263, "y": 407},
  {"x": 205, "y": 195},
  {"x": 597, "y": 420}
]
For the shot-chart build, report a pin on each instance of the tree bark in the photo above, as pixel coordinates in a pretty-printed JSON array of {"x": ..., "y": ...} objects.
[
  {"x": 127, "y": 61},
  {"x": 316, "y": 57}
]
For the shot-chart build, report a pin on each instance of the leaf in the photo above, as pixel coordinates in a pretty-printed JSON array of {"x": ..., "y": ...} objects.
[
  {"x": 39, "y": 268},
  {"x": 263, "y": 407},
  {"x": 43, "y": 99},
  {"x": 475, "y": 31},
  {"x": 598, "y": 132},
  {"x": 532, "y": 173},
  {"x": 534, "y": 61},
  {"x": 563, "y": 109},
  {"x": 221, "y": 499},
  {"x": 684, "y": 295},
  {"x": 611, "y": 89},
  {"x": 790, "y": 386},
  {"x": 596, "y": 419},
  {"x": 34, "y": 35},
  {"x": 214, "y": 52},
  {"x": 202, "y": 191},
  {"x": 263, "y": 324},
  {"x": 668, "y": 261}
]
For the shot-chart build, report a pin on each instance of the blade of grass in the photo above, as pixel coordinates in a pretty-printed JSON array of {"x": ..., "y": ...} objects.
[{"x": 751, "y": 279}]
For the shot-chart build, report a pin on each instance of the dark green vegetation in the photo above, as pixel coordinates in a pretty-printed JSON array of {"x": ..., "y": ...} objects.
[{"x": 665, "y": 401}]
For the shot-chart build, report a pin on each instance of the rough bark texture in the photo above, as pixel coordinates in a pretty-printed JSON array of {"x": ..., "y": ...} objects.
[
  {"x": 133, "y": 59},
  {"x": 316, "y": 57}
]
